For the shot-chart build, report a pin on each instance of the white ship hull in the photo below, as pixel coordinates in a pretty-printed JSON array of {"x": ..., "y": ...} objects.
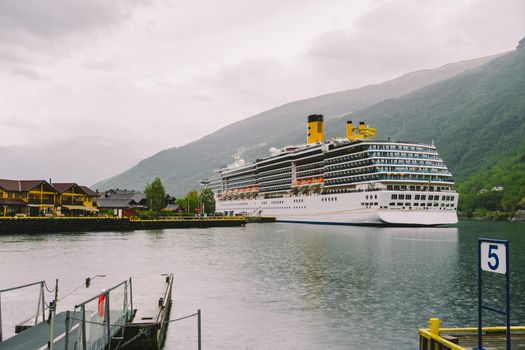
[{"x": 358, "y": 208}]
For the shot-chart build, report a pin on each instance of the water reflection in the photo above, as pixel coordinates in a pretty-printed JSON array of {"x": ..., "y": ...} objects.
[{"x": 273, "y": 286}]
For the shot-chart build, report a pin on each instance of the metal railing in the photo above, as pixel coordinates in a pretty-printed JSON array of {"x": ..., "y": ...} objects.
[
  {"x": 96, "y": 340},
  {"x": 434, "y": 337},
  {"x": 40, "y": 308}
]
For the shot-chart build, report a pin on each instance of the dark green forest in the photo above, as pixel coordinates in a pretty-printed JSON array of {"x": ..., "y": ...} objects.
[{"x": 477, "y": 121}]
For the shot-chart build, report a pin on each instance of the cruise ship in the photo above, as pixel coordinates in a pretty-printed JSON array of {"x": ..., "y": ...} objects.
[{"x": 351, "y": 180}]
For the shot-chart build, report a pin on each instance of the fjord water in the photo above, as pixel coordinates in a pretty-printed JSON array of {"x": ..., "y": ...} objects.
[{"x": 285, "y": 286}]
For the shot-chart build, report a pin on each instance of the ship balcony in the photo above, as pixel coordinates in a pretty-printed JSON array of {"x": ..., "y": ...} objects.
[{"x": 413, "y": 163}]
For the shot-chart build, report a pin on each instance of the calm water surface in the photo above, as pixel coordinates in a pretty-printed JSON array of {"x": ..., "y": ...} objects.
[{"x": 284, "y": 286}]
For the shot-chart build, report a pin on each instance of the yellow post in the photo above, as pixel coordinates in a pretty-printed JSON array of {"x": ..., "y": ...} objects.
[{"x": 433, "y": 324}]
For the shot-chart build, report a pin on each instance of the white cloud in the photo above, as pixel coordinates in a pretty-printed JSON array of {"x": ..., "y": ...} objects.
[{"x": 171, "y": 71}]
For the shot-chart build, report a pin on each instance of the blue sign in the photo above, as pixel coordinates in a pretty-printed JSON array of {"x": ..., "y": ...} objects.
[{"x": 493, "y": 256}]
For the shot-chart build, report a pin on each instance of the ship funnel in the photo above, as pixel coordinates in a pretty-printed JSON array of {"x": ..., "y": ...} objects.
[
  {"x": 349, "y": 129},
  {"x": 361, "y": 132},
  {"x": 315, "y": 132}
]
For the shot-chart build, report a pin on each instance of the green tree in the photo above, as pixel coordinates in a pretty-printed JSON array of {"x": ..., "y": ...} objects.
[
  {"x": 155, "y": 195},
  {"x": 190, "y": 202},
  {"x": 208, "y": 201}
]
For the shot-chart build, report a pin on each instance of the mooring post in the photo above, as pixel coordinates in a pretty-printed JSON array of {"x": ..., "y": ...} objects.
[
  {"x": 40, "y": 302},
  {"x": 1, "y": 317},
  {"x": 66, "y": 339},
  {"x": 108, "y": 321},
  {"x": 84, "y": 337},
  {"x": 51, "y": 322},
  {"x": 199, "y": 329},
  {"x": 131, "y": 297}
]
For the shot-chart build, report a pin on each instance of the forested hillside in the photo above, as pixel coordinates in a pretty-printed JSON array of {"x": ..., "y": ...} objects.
[{"x": 477, "y": 121}]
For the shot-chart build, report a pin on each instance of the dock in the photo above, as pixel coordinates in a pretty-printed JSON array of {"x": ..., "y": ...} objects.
[
  {"x": 39, "y": 225},
  {"x": 494, "y": 338},
  {"x": 260, "y": 219},
  {"x": 111, "y": 319}
]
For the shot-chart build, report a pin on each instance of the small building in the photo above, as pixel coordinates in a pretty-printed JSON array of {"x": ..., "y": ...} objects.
[
  {"x": 173, "y": 208},
  {"x": 124, "y": 203},
  {"x": 497, "y": 188}
]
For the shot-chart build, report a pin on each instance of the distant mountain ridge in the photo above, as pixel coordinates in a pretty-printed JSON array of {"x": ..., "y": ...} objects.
[
  {"x": 84, "y": 160},
  {"x": 181, "y": 168}
]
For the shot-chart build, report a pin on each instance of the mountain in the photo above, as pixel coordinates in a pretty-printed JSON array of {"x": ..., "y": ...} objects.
[
  {"x": 477, "y": 121},
  {"x": 474, "y": 118},
  {"x": 181, "y": 168},
  {"x": 84, "y": 160}
]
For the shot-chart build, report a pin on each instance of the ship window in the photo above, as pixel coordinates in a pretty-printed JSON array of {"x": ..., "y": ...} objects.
[
  {"x": 417, "y": 196},
  {"x": 429, "y": 204},
  {"x": 375, "y": 196},
  {"x": 400, "y": 204},
  {"x": 391, "y": 204},
  {"x": 401, "y": 196},
  {"x": 416, "y": 204},
  {"x": 376, "y": 203},
  {"x": 394, "y": 196},
  {"x": 408, "y": 196},
  {"x": 436, "y": 204},
  {"x": 407, "y": 204},
  {"x": 423, "y": 197}
]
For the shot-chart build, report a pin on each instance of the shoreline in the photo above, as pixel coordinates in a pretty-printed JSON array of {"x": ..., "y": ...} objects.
[{"x": 42, "y": 225}]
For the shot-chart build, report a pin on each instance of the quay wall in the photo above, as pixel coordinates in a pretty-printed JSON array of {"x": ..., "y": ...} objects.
[{"x": 94, "y": 224}]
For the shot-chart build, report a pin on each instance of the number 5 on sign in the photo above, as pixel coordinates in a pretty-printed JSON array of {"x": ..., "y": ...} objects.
[{"x": 494, "y": 257}]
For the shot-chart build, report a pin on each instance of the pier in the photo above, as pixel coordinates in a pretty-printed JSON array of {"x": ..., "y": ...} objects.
[
  {"x": 28, "y": 225},
  {"x": 111, "y": 319},
  {"x": 494, "y": 338}
]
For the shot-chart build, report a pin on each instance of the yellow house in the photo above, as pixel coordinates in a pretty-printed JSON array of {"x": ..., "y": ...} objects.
[
  {"x": 74, "y": 200},
  {"x": 27, "y": 197}
]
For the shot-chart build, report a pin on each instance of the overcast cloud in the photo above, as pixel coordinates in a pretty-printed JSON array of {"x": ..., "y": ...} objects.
[{"x": 168, "y": 72}]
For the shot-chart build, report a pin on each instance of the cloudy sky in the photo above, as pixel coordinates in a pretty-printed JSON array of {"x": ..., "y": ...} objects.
[{"x": 167, "y": 72}]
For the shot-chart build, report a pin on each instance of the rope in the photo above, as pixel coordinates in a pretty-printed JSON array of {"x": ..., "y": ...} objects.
[
  {"x": 127, "y": 342},
  {"x": 131, "y": 325},
  {"x": 77, "y": 288},
  {"x": 46, "y": 305},
  {"x": 181, "y": 318},
  {"x": 49, "y": 291}
]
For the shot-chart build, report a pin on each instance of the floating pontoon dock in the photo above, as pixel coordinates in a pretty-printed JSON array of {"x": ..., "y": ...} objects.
[{"x": 105, "y": 321}]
